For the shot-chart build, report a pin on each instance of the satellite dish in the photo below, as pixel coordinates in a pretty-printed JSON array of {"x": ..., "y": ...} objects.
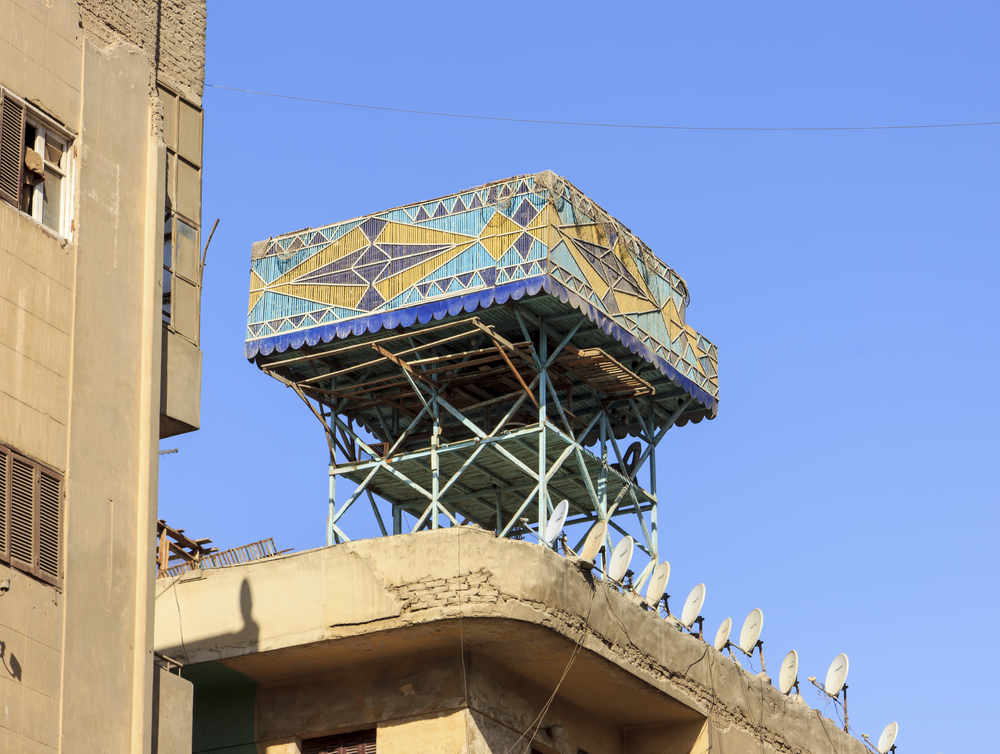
[
  {"x": 836, "y": 675},
  {"x": 722, "y": 635},
  {"x": 657, "y": 583},
  {"x": 592, "y": 545},
  {"x": 888, "y": 738},
  {"x": 692, "y": 607},
  {"x": 620, "y": 559},
  {"x": 555, "y": 524},
  {"x": 751, "y": 630},
  {"x": 788, "y": 675}
]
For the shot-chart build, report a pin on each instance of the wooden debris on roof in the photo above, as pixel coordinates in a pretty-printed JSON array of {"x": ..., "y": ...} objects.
[{"x": 177, "y": 553}]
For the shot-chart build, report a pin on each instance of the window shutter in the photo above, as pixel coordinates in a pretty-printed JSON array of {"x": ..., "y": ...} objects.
[
  {"x": 22, "y": 514},
  {"x": 11, "y": 149},
  {"x": 49, "y": 490},
  {"x": 362, "y": 742},
  {"x": 4, "y": 504}
]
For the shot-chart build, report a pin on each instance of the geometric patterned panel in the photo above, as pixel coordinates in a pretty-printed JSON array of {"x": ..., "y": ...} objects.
[{"x": 491, "y": 237}]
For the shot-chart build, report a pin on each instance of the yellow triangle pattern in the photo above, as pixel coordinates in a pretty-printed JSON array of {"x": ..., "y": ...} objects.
[
  {"x": 331, "y": 295},
  {"x": 629, "y": 304},
  {"x": 257, "y": 286},
  {"x": 346, "y": 244},
  {"x": 597, "y": 283},
  {"x": 498, "y": 235},
  {"x": 391, "y": 287}
]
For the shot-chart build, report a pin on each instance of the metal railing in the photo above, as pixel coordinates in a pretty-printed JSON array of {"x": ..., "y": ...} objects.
[{"x": 244, "y": 554}]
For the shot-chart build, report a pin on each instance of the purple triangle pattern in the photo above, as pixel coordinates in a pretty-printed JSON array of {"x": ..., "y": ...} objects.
[
  {"x": 371, "y": 272},
  {"x": 371, "y": 300},
  {"x": 372, "y": 255},
  {"x": 523, "y": 244},
  {"x": 372, "y": 227},
  {"x": 344, "y": 263},
  {"x": 347, "y": 277},
  {"x": 525, "y": 213}
]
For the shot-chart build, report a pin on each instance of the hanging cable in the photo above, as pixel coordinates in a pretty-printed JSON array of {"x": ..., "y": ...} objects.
[{"x": 602, "y": 125}]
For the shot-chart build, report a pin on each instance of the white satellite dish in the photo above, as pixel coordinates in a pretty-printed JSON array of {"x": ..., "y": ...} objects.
[
  {"x": 555, "y": 524},
  {"x": 788, "y": 675},
  {"x": 692, "y": 607},
  {"x": 592, "y": 545},
  {"x": 888, "y": 738},
  {"x": 657, "y": 583},
  {"x": 836, "y": 676},
  {"x": 722, "y": 635},
  {"x": 751, "y": 630},
  {"x": 620, "y": 559}
]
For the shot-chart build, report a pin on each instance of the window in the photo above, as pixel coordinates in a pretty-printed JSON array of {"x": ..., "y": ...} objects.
[
  {"x": 182, "y": 131},
  {"x": 30, "y": 517},
  {"x": 35, "y": 164},
  {"x": 360, "y": 742}
]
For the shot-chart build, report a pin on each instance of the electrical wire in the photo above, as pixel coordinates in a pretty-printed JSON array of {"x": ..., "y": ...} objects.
[
  {"x": 461, "y": 639},
  {"x": 534, "y": 725},
  {"x": 602, "y": 125}
]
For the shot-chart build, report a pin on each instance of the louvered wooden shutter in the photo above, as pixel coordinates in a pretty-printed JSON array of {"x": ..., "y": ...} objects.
[
  {"x": 22, "y": 514},
  {"x": 4, "y": 504},
  {"x": 11, "y": 148},
  {"x": 361, "y": 742},
  {"x": 49, "y": 499}
]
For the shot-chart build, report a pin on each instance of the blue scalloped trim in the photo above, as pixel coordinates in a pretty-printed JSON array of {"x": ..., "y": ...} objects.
[{"x": 424, "y": 313}]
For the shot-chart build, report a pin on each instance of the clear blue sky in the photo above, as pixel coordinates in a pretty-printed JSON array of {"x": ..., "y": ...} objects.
[{"x": 848, "y": 278}]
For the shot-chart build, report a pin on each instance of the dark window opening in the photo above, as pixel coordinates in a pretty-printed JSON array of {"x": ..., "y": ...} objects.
[{"x": 359, "y": 742}]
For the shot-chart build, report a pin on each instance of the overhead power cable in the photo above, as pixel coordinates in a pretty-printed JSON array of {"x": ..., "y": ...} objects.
[{"x": 603, "y": 125}]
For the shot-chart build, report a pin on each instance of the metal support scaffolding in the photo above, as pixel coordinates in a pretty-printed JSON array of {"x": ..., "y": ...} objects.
[{"x": 457, "y": 423}]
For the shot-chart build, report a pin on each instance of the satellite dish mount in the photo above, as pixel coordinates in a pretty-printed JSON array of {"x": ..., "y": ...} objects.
[
  {"x": 750, "y": 637},
  {"x": 836, "y": 681}
]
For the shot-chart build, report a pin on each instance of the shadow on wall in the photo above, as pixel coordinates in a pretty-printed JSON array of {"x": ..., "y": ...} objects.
[
  {"x": 248, "y": 635},
  {"x": 12, "y": 666},
  {"x": 225, "y": 699}
]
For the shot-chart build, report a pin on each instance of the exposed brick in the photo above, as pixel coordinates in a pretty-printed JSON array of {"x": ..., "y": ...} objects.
[{"x": 170, "y": 33}]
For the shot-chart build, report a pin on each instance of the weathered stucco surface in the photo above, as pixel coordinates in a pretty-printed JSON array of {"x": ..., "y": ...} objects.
[
  {"x": 397, "y": 630},
  {"x": 80, "y": 345}
]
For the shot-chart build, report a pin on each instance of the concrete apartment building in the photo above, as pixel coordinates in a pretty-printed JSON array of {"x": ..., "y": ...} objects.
[
  {"x": 100, "y": 206},
  {"x": 457, "y": 640}
]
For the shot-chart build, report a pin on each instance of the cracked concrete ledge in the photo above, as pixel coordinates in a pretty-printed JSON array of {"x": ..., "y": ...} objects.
[{"x": 359, "y": 588}]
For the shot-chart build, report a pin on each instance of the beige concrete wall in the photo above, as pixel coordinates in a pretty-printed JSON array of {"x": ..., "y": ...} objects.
[
  {"x": 372, "y": 590},
  {"x": 31, "y": 631},
  {"x": 442, "y": 733},
  {"x": 80, "y": 345},
  {"x": 504, "y": 711},
  {"x": 40, "y": 59},
  {"x": 40, "y": 56},
  {"x": 171, "y": 726},
  {"x": 359, "y": 697}
]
